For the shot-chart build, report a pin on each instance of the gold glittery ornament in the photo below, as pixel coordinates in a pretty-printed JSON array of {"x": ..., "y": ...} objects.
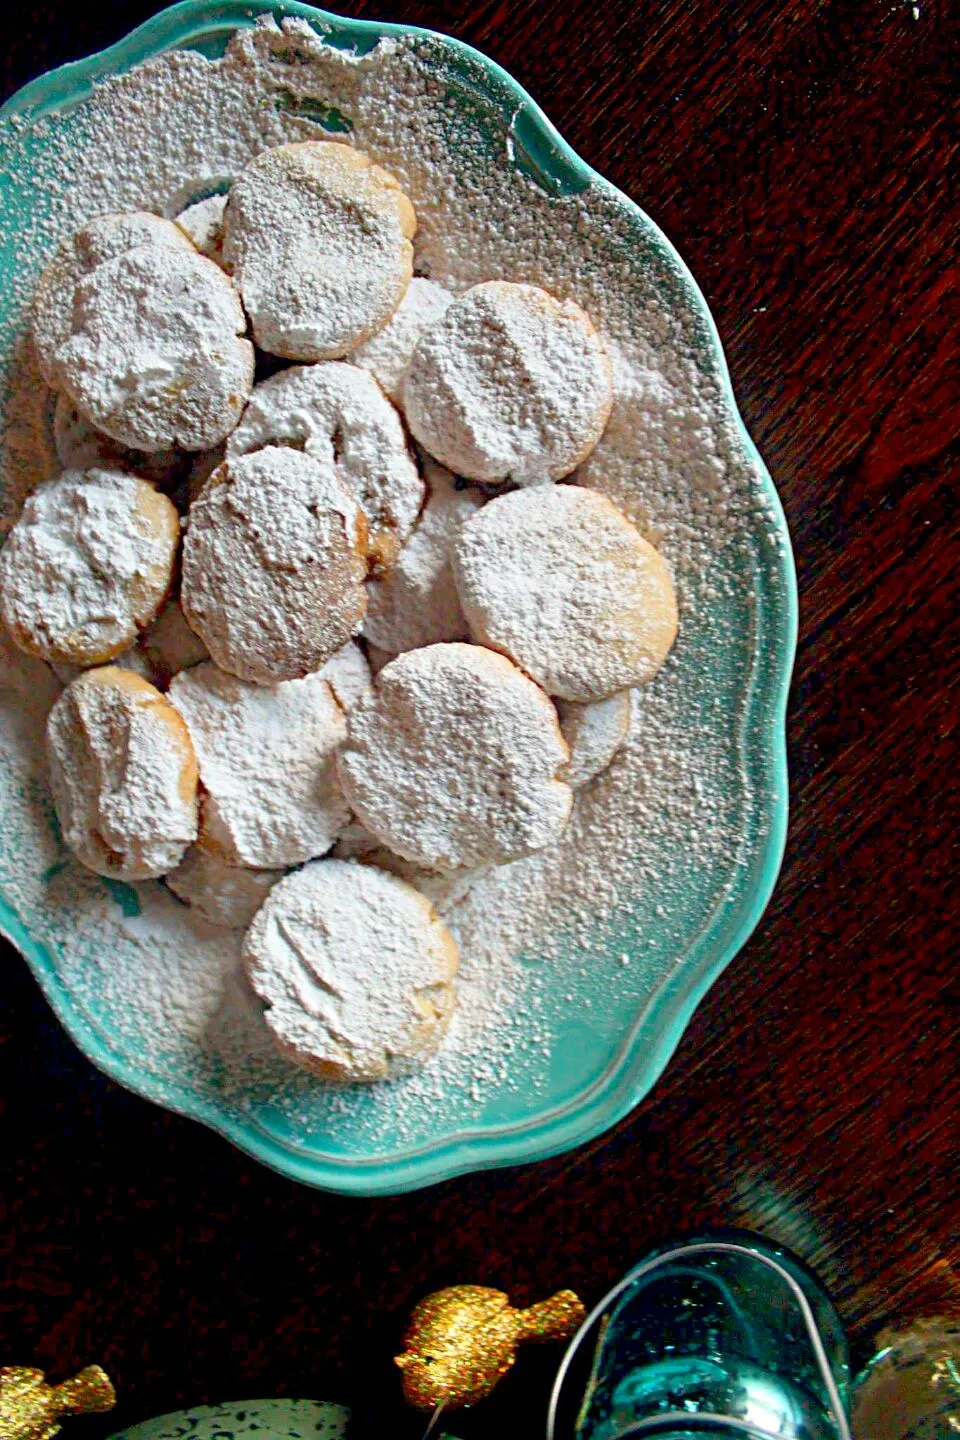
[
  {"x": 30, "y": 1408},
  {"x": 461, "y": 1341}
]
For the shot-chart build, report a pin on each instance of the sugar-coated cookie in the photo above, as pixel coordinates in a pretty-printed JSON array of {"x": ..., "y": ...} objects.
[
  {"x": 102, "y": 238},
  {"x": 558, "y": 579},
  {"x": 445, "y": 889},
  {"x": 338, "y": 414},
  {"x": 87, "y": 566},
  {"x": 270, "y": 796},
  {"x": 319, "y": 239},
  {"x": 416, "y": 602},
  {"x": 456, "y": 759},
  {"x": 509, "y": 384},
  {"x": 123, "y": 775},
  {"x": 387, "y": 354},
  {"x": 348, "y": 674},
  {"x": 355, "y": 970},
  {"x": 273, "y": 565},
  {"x": 221, "y": 894},
  {"x": 595, "y": 733},
  {"x": 157, "y": 354}
]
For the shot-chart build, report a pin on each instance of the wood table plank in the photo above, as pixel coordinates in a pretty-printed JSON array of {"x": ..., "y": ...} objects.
[{"x": 799, "y": 154}]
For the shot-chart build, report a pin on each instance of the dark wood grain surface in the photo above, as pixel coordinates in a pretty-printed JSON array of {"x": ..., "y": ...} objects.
[{"x": 799, "y": 154}]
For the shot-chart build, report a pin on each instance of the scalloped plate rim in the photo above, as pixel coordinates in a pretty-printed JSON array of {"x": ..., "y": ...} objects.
[{"x": 631, "y": 1075}]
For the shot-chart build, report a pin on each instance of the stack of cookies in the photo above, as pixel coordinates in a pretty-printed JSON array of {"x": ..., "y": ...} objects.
[{"x": 334, "y": 639}]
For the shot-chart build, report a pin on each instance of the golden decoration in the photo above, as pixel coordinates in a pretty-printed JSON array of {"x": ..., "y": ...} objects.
[
  {"x": 30, "y": 1408},
  {"x": 461, "y": 1341}
]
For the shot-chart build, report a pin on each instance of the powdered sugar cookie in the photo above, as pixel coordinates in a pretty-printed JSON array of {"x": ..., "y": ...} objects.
[
  {"x": 227, "y": 895},
  {"x": 123, "y": 775},
  {"x": 444, "y": 889},
  {"x": 319, "y": 241},
  {"x": 355, "y": 969},
  {"x": 594, "y": 733},
  {"x": 338, "y": 414},
  {"x": 273, "y": 565},
  {"x": 416, "y": 602},
  {"x": 387, "y": 354},
  {"x": 270, "y": 796},
  {"x": 558, "y": 579},
  {"x": 203, "y": 225},
  {"x": 100, "y": 239},
  {"x": 348, "y": 674},
  {"x": 80, "y": 447},
  {"x": 87, "y": 565},
  {"x": 157, "y": 355},
  {"x": 510, "y": 384},
  {"x": 456, "y": 758}
]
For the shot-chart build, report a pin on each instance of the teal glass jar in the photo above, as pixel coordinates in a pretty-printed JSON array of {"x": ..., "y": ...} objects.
[{"x": 717, "y": 1337}]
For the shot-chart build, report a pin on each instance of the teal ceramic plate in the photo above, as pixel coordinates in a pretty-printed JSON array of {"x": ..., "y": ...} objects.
[{"x": 605, "y": 1024}]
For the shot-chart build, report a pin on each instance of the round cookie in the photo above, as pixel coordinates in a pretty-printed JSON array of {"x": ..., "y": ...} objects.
[
  {"x": 87, "y": 566},
  {"x": 319, "y": 240},
  {"x": 123, "y": 775},
  {"x": 594, "y": 733},
  {"x": 387, "y": 354},
  {"x": 270, "y": 796},
  {"x": 416, "y": 602},
  {"x": 355, "y": 969},
  {"x": 100, "y": 239},
  {"x": 338, "y": 414},
  {"x": 227, "y": 895},
  {"x": 80, "y": 447},
  {"x": 558, "y": 579},
  {"x": 456, "y": 759},
  {"x": 203, "y": 225},
  {"x": 510, "y": 384},
  {"x": 157, "y": 355},
  {"x": 273, "y": 565}
]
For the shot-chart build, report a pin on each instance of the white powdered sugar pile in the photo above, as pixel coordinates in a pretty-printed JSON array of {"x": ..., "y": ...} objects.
[
  {"x": 157, "y": 355},
  {"x": 560, "y": 950},
  {"x": 105, "y": 238}
]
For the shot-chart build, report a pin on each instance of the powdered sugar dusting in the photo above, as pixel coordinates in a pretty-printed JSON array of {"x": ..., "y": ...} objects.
[
  {"x": 416, "y": 602},
  {"x": 657, "y": 846},
  {"x": 267, "y": 757},
  {"x": 387, "y": 354},
  {"x": 338, "y": 414}
]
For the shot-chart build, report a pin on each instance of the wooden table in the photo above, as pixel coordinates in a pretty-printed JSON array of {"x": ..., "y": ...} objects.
[{"x": 797, "y": 154}]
